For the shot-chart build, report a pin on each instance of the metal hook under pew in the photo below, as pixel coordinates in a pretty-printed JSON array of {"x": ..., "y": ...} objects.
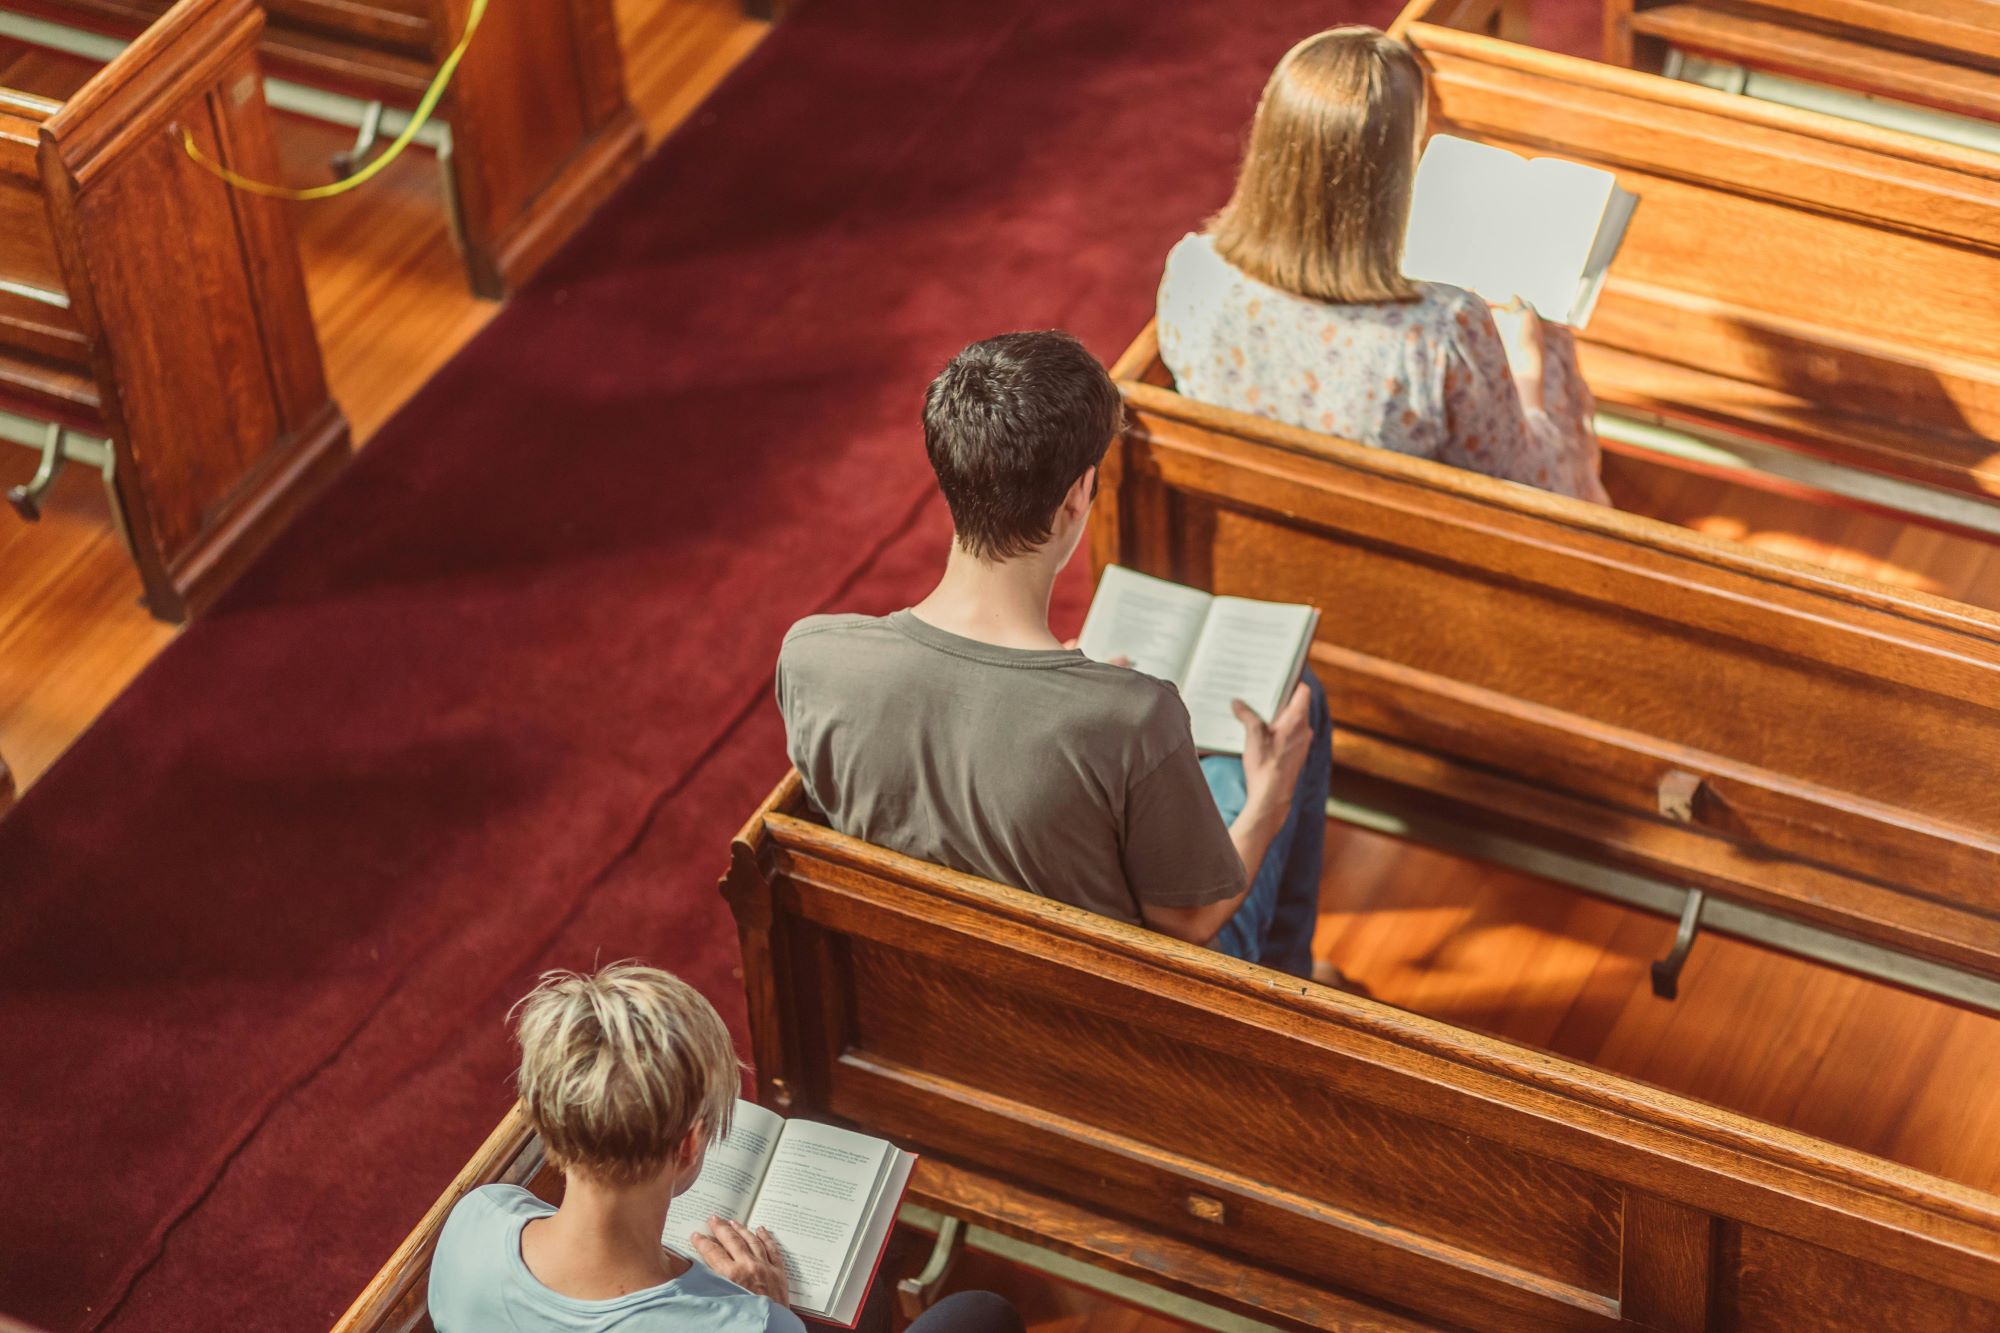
[
  {"x": 58, "y": 446},
  {"x": 27, "y": 498},
  {"x": 348, "y": 161},
  {"x": 917, "y": 1294},
  {"x": 1667, "y": 971}
]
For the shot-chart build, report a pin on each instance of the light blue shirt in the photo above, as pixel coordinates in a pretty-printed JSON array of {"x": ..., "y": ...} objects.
[{"x": 480, "y": 1284}]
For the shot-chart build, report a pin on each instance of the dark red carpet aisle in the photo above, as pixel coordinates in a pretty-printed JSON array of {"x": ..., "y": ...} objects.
[{"x": 497, "y": 703}]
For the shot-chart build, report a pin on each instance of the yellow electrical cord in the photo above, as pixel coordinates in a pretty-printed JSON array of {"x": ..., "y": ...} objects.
[{"x": 418, "y": 119}]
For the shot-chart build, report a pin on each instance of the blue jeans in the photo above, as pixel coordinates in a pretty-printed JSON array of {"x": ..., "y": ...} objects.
[{"x": 1274, "y": 925}]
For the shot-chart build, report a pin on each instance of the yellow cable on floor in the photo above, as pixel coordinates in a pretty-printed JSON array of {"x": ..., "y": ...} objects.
[{"x": 418, "y": 120}]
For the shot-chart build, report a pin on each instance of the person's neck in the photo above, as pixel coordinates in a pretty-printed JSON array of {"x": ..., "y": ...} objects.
[
  {"x": 604, "y": 1241},
  {"x": 1002, "y": 602}
]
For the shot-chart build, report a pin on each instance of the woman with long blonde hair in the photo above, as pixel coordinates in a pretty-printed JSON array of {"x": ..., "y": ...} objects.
[{"x": 1292, "y": 304}]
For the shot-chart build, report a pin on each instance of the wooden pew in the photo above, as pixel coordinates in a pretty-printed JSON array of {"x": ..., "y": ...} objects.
[
  {"x": 1812, "y": 744},
  {"x": 541, "y": 131},
  {"x": 1942, "y": 54},
  {"x": 395, "y": 1301},
  {"x": 1303, "y": 1157},
  {"x": 1791, "y": 282},
  {"x": 143, "y": 301}
]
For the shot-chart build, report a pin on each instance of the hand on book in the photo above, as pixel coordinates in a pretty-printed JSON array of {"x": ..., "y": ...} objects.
[
  {"x": 748, "y": 1258},
  {"x": 1522, "y": 334},
  {"x": 1274, "y": 753}
]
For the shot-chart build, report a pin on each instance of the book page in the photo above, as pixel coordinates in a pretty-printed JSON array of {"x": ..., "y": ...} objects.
[
  {"x": 814, "y": 1199},
  {"x": 846, "y": 1307},
  {"x": 1251, "y": 651},
  {"x": 1151, "y": 621},
  {"x": 1466, "y": 221},
  {"x": 1490, "y": 221},
  {"x": 730, "y": 1175},
  {"x": 1571, "y": 199}
]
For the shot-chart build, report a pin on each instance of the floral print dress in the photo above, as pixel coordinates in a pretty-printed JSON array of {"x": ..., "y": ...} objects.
[{"x": 1427, "y": 377}]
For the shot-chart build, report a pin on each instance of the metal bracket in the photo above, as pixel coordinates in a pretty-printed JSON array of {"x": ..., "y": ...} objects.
[
  {"x": 1667, "y": 971},
  {"x": 27, "y": 499},
  {"x": 349, "y": 160},
  {"x": 916, "y": 1294},
  {"x": 58, "y": 446}
]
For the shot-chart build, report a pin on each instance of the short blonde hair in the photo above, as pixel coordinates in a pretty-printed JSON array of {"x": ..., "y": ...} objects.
[
  {"x": 1323, "y": 197},
  {"x": 618, "y": 1068}
]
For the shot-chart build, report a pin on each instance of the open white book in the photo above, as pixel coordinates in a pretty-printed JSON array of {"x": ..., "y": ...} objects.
[
  {"x": 828, "y": 1195},
  {"x": 1214, "y": 649},
  {"x": 1504, "y": 226}
]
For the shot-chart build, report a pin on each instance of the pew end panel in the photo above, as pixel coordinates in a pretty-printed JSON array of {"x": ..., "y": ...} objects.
[
  {"x": 1723, "y": 310},
  {"x": 1300, "y": 1156},
  {"x": 204, "y": 369},
  {"x": 542, "y": 130},
  {"x": 1552, "y": 668}
]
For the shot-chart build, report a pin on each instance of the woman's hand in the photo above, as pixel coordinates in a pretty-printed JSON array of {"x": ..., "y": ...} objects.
[
  {"x": 748, "y": 1258},
  {"x": 1522, "y": 334}
]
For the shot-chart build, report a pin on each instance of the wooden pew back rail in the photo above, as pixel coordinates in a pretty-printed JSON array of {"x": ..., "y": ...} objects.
[
  {"x": 1301, "y": 1156},
  {"x": 1606, "y": 682},
  {"x": 1787, "y": 276}
]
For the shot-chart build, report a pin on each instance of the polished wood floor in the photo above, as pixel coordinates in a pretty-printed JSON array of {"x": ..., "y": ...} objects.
[{"x": 391, "y": 304}]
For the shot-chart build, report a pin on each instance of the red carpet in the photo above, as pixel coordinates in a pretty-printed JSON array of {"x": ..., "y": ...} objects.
[{"x": 497, "y": 703}]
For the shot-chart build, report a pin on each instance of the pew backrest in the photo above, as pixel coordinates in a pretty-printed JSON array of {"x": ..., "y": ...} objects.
[
  {"x": 1300, "y": 1156},
  {"x": 1563, "y": 668},
  {"x": 1787, "y": 275},
  {"x": 156, "y": 306}
]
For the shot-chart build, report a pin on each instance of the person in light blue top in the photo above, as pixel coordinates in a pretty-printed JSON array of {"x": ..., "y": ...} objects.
[{"x": 627, "y": 1076}]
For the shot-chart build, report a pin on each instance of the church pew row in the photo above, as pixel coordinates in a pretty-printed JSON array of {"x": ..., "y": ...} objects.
[
  {"x": 1296, "y": 1155},
  {"x": 541, "y": 130},
  {"x": 1805, "y": 742},
  {"x": 1789, "y": 278},
  {"x": 1303, "y": 1157},
  {"x": 143, "y": 301},
  {"x": 1942, "y": 54}
]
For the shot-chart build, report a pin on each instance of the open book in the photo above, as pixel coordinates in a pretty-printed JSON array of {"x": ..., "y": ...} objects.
[
  {"x": 1504, "y": 225},
  {"x": 828, "y": 1195},
  {"x": 1214, "y": 648}
]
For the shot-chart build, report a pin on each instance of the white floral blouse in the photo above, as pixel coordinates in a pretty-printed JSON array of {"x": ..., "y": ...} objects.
[{"x": 1427, "y": 377}]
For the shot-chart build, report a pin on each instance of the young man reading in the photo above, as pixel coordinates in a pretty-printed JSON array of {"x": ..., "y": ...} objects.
[{"x": 962, "y": 732}]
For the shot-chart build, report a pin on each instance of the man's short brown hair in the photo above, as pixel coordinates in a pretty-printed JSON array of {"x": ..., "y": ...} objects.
[{"x": 1009, "y": 426}]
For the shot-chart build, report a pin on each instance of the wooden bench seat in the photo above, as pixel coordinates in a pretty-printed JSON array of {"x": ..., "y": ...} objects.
[
  {"x": 196, "y": 360},
  {"x": 541, "y": 131},
  {"x": 1787, "y": 276},
  {"x": 1304, "y": 1157},
  {"x": 1559, "y": 669}
]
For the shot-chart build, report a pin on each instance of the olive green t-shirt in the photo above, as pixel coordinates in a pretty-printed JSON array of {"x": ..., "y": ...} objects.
[{"x": 1041, "y": 769}]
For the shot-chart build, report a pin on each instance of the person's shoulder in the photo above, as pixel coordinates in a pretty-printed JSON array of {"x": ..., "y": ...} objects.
[
  {"x": 1444, "y": 302},
  {"x": 834, "y": 624},
  {"x": 1143, "y": 708},
  {"x": 490, "y": 1202}
]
